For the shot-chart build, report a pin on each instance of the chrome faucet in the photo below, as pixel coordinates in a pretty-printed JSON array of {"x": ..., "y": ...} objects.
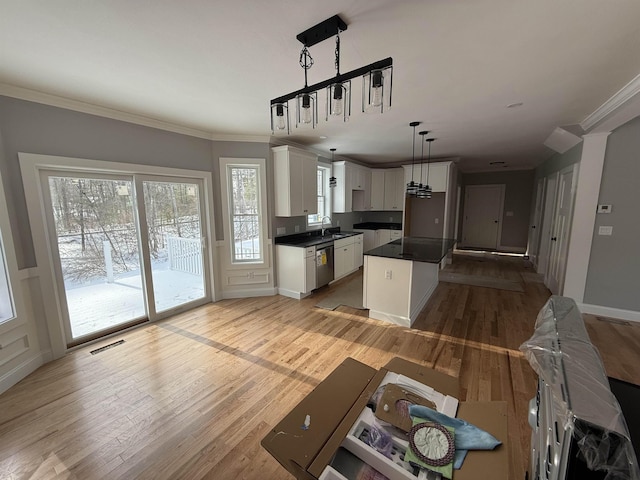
[{"x": 322, "y": 224}]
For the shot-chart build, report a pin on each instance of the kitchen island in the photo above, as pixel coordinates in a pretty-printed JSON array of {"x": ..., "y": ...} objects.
[{"x": 400, "y": 277}]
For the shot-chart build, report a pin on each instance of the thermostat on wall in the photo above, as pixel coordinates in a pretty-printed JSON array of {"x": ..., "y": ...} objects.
[{"x": 604, "y": 208}]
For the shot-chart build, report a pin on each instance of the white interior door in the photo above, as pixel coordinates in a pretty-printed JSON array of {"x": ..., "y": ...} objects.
[
  {"x": 535, "y": 229},
  {"x": 547, "y": 222},
  {"x": 559, "y": 245},
  {"x": 482, "y": 221}
]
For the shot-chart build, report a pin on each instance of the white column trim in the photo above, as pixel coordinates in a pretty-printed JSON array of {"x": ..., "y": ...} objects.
[{"x": 584, "y": 215}]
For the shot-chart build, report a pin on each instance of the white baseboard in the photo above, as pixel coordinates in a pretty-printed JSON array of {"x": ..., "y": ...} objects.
[
  {"x": 503, "y": 248},
  {"x": 292, "y": 294},
  {"x": 257, "y": 292},
  {"x": 21, "y": 371},
  {"x": 388, "y": 317},
  {"x": 610, "y": 312}
]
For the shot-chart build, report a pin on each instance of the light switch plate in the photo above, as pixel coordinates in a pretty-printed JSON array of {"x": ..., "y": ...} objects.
[
  {"x": 604, "y": 208},
  {"x": 605, "y": 230}
]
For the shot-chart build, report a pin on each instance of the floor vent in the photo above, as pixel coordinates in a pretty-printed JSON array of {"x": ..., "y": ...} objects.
[{"x": 106, "y": 347}]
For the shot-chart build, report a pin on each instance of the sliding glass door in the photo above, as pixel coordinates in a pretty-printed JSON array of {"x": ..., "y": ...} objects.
[
  {"x": 174, "y": 240},
  {"x": 127, "y": 249}
]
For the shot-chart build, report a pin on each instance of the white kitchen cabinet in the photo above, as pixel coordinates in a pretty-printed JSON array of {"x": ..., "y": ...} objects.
[
  {"x": 343, "y": 258},
  {"x": 395, "y": 235},
  {"x": 377, "y": 189},
  {"x": 438, "y": 175},
  {"x": 296, "y": 269},
  {"x": 295, "y": 181},
  {"x": 394, "y": 189},
  {"x": 383, "y": 236},
  {"x": 352, "y": 190},
  {"x": 358, "y": 250}
]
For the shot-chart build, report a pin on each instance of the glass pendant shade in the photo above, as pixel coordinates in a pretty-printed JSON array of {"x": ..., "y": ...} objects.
[
  {"x": 279, "y": 118},
  {"x": 339, "y": 101},
  {"x": 307, "y": 110},
  {"x": 412, "y": 187},
  {"x": 376, "y": 90}
]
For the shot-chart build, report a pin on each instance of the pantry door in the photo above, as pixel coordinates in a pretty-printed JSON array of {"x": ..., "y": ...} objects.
[{"x": 482, "y": 223}]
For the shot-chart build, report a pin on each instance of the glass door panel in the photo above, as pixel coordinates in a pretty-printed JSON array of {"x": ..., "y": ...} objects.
[
  {"x": 174, "y": 232},
  {"x": 97, "y": 242},
  {"x": 6, "y": 299}
]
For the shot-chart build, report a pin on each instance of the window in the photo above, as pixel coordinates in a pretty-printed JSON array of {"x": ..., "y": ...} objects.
[
  {"x": 245, "y": 213},
  {"x": 324, "y": 197},
  {"x": 6, "y": 301}
]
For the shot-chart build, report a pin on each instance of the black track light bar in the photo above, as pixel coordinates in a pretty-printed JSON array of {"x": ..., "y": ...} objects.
[
  {"x": 358, "y": 72},
  {"x": 320, "y": 32}
]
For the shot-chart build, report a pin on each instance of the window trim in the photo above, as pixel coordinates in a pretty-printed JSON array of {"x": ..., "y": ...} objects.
[
  {"x": 260, "y": 165},
  {"x": 328, "y": 199}
]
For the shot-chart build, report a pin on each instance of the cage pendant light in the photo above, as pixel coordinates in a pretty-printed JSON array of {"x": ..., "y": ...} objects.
[
  {"x": 420, "y": 193},
  {"x": 333, "y": 181},
  {"x": 425, "y": 192},
  {"x": 412, "y": 188}
]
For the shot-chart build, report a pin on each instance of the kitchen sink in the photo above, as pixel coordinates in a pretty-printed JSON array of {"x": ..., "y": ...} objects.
[{"x": 340, "y": 235}]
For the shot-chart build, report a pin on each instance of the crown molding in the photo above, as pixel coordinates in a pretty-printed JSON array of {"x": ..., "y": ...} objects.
[
  {"x": 83, "y": 107},
  {"x": 620, "y": 98},
  {"x": 227, "y": 137}
]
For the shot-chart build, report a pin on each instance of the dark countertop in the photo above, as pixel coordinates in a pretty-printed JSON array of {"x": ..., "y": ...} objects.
[
  {"x": 313, "y": 237},
  {"x": 378, "y": 226},
  {"x": 418, "y": 249}
]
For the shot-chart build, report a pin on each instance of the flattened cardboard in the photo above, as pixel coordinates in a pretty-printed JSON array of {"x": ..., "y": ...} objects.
[
  {"x": 390, "y": 397},
  {"x": 336, "y": 403},
  {"x": 327, "y": 405}
]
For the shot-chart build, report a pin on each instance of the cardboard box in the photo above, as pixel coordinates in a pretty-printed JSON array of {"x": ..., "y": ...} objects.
[{"x": 336, "y": 403}]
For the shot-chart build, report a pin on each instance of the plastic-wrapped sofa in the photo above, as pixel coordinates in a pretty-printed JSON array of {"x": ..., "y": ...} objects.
[{"x": 579, "y": 430}]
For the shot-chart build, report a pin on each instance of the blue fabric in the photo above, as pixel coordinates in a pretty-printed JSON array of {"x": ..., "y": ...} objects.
[{"x": 468, "y": 436}]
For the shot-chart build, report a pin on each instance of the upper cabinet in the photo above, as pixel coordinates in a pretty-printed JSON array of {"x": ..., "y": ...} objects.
[
  {"x": 295, "y": 181},
  {"x": 394, "y": 189},
  {"x": 434, "y": 174},
  {"x": 353, "y": 187}
]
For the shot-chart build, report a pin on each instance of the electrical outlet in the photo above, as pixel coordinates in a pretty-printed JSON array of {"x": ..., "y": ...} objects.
[
  {"x": 338, "y": 223},
  {"x": 605, "y": 230},
  {"x": 281, "y": 230},
  {"x": 437, "y": 220},
  {"x": 387, "y": 274},
  {"x": 391, "y": 219},
  {"x": 297, "y": 229}
]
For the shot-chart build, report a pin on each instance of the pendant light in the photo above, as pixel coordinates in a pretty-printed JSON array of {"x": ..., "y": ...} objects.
[
  {"x": 421, "y": 187},
  {"x": 425, "y": 192},
  {"x": 333, "y": 181},
  {"x": 412, "y": 188}
]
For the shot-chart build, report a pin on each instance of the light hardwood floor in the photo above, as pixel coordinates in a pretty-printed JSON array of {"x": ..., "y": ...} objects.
[{"x": 192, "y": 396}]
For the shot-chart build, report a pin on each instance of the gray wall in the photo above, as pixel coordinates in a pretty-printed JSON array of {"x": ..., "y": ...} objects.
[
  {"x": 517, "y": 199},
  {"x": 559, "y": 161},
  {"x": 424, "y": 212},
  {"x": 35, "y": 128},
  {"x": 613, "y": 278}
]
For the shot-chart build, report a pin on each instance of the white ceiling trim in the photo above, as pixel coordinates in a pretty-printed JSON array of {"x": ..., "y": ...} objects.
[
  {"x": 619, "y": 99},
  {"x": 240, "y": 138}
]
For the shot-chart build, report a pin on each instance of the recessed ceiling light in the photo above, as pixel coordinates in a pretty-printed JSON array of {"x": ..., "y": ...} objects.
[
  {"x": 323, "y": 137},
  {"x": 515, "y": 105}
]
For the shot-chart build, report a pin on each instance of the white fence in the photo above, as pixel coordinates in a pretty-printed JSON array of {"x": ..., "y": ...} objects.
[{"x": 185, "y": 254}]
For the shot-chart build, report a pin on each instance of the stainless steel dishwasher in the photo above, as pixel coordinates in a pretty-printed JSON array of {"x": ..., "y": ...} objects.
[{"x": 324, "y": 264}]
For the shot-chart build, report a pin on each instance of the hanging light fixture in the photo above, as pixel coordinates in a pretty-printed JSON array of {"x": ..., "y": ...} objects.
[
  {"x": 280, "y": 117},
  {"x": 338, "y": 93},
  {"x": 425, "y": 192},
  {"x": 333, "y": 181},
  {"x": 412, "y": 188},
  {"x": 376, "y": 78},
  {"x": 420, "y": 193}
]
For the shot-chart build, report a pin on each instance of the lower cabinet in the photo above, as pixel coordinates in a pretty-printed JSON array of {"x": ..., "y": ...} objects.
[
  {"x": 347, "y": 255},
  {"x": 296, "y": 269}
]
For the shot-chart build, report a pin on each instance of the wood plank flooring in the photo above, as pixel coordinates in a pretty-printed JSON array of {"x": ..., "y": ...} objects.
[{"x": 192, "y": 396}]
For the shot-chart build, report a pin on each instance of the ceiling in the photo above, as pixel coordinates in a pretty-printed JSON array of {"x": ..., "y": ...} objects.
[{"x": 213, "y": 66}]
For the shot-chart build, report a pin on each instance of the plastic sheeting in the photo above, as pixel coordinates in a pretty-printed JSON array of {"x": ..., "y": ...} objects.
[{"x": 562, "y": 355}]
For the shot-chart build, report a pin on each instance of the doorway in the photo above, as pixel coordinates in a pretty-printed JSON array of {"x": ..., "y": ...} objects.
[
  {"x": 561, "y": 229},
  {"x": 482, "y": 222},
  {"x": 536, "y": 227},
  {"x": 126, "y": 249}
]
